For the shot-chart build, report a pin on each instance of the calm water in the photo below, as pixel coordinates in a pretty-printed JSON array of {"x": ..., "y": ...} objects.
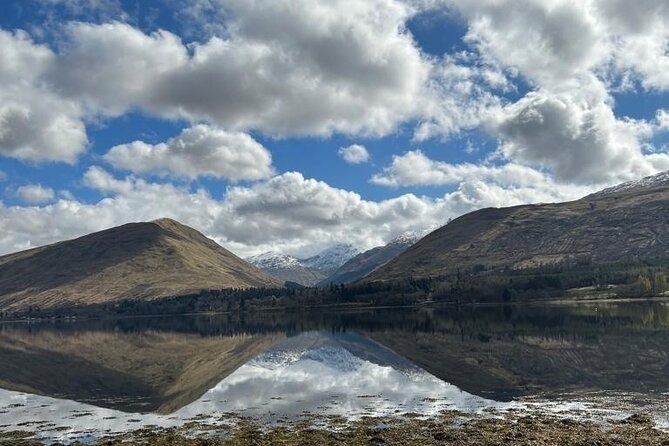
[{"x": 76, "y": 380}]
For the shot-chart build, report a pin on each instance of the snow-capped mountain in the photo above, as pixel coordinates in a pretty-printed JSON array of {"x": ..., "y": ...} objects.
[
  {"x": 273, "y": 259},
  {"x": 331, "y": 258},
  {"x": 360, "y": 265},
  {"x": 409, "y": 238},
  {"x": 303, "y": 271},
  {"x": 657, "y": 180}
]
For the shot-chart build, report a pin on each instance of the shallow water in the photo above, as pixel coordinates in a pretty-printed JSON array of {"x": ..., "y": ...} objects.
[{"x": 78, "y": 380}]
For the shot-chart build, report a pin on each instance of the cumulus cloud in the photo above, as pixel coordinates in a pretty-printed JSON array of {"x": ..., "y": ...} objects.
[
  {"x": 99, "y": 179},
  {"x": 573, "y": 54},
  {"x": 284, "y": 68},
  {"x": 414, "y": 168},
  {"x": 546, "y": 41},
  {"x": 35, "y": 193},
  {"x": 288, "y": 212},
  {"x": 354, "y": 154},
  {"x": 578, "y": 140},
  {"x": 640, "y": 40},
  {"x": 200, "y": 150},
  {"x": 35, "y": 123},
  {"x": 113, "y": 66}
]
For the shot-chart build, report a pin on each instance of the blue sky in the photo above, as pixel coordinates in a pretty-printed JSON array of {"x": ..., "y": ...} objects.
[{"x": 232, "y": 116}]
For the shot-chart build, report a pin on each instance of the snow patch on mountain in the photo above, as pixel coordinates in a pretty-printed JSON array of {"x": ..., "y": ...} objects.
[
  {"x": 331, "y": 258},
  {"x": 409, "y": 238},
  {"x": 657, "y": 180},
  {"x": 326, "y": 260},
  {"x": 274, "y": 260}
]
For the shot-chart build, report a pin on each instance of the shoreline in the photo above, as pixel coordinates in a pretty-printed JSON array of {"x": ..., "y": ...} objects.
[
  {"x": 346, "y": 307},
  {"x": 447, "y": 428}
]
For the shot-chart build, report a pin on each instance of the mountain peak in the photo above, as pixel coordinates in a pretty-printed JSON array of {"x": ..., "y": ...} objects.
[
  {"x": 166, "y": 221},
  {"x": 146, "y": 260},
  {"x": 273, "y": 259},
  {"x": 409, "y": 238}
]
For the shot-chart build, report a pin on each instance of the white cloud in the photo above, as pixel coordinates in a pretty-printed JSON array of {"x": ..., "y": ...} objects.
[
  {"x": 200, "y": 150},
  {"x": 640, "y": 36},
  {"x": 414, "y": 168},
  {"x": 35, "y": 193},
  {"x": 35, "y": 123},
  {"x": 546, "y": 41},
  {"x": 662, "y": 120},
  {"x": 99, "y": 179},
  {"x": 287, "y": 213},
  {"x": 572, "y": 54},
  {"x": 113, "y": 66},
  {"x": 577, "y": 139},
  {"x": 354, "y": 154},
  {"x": 284, "y": 68},
  {"x": 462, "y": 95}
]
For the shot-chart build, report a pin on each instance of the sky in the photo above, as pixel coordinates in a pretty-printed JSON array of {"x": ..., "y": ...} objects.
[{"x": 293, "y": 125}]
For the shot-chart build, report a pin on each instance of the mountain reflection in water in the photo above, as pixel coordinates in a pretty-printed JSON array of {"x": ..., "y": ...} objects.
[{"x": 98, "y": 375}]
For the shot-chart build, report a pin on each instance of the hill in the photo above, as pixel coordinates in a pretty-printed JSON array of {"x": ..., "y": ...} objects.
[
  {"x": 138, "y": 260},
  {"x": 626, "y": 222}
]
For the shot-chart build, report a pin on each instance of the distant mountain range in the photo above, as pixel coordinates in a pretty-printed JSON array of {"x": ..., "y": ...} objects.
[
  {"x": 138, "y": 260},
  {"x": 339, "y": 264},
  {"x": 362, "y": 264},
  {"x": 625, "y": 222},
  {"x": 307, "y": 271}
]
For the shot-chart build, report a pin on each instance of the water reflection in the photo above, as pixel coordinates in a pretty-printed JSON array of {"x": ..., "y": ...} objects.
[{"x": 349, "y": 363}]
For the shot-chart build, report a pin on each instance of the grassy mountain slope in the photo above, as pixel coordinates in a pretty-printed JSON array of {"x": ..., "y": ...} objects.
[
  {"x": 620, "y": 223},
  {"x": 137, "y": 260}
]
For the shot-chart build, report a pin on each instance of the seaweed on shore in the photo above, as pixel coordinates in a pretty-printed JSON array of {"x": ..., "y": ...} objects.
[{"x": 450, "y": 428}]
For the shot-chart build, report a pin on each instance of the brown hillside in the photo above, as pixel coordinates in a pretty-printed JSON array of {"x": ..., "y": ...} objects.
[
  {"x": 137, "y": 260},
  {"x": 623, "y": 223}
]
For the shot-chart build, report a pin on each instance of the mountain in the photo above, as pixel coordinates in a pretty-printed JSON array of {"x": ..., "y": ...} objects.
[
  {"x": 138, "y": 260},
  {"x": 307, "y": 271},
  {"x": 362, "y": 264},
  {"x": 285, "y": 268},
  {"x": 628, "y": 221},
  {"x": 329, "y": 260}
]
